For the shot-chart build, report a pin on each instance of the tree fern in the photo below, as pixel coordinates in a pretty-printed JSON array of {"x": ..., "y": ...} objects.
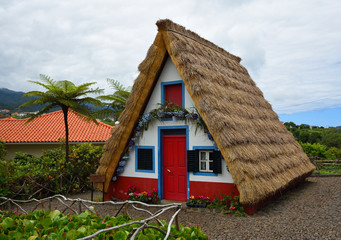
[
  {"x": 115, "y": 103},
  {"x": 66, "y": 95}
]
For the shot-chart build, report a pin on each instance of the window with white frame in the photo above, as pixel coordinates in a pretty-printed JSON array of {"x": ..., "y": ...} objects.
[{"x": 205, "y": 161}]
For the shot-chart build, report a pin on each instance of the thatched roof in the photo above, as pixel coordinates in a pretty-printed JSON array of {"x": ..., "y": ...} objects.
[{"x": 262, "y": 156}]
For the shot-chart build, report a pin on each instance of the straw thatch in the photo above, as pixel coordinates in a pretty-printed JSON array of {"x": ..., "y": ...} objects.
[{"x": 262, "y": 156}]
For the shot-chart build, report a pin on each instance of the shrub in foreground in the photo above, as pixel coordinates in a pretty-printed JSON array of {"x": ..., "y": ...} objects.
[
  {"x": 42, "y": 224},
  {"x": 29, "y": 176}
]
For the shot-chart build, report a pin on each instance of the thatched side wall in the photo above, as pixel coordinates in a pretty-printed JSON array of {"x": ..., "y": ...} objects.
[{"x": 262, "y": 156}]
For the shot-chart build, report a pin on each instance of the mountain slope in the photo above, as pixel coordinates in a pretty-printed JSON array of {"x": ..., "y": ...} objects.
[{"x": 11, "y": 100}]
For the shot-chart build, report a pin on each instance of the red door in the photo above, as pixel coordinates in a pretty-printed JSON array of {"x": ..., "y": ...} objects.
[{"x": 174, "y": 168}]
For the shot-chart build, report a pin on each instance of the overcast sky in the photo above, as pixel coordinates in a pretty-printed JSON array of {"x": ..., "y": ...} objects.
[{"x": 291, "y": 48}]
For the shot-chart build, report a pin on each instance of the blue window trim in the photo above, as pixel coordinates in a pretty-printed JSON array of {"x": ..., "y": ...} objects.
[
  {"x": 136, "y": 159},
  {"x": 163, "y": 84},
  {"x": 205, "y": 173},
  {"x": 160, "y": 160}
]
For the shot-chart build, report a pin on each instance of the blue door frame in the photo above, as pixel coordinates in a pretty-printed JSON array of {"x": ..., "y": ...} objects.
[{"x": 160, "y": 160}]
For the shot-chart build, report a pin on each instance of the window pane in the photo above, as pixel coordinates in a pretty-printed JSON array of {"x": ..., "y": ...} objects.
[
  {"x": 202, "y": 155},
  {"x": 211, "y": 165},
  {"x": 203, "y": 166},
  {"x": 211, "y": 155},
  {"x": 144, "y": 159}
]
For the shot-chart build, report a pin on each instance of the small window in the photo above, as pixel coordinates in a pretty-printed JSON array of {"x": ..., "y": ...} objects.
[
  {"x": 144, "y": 159},
  {"x": 205, "y": 161},
  {"x": 172, "y": 93}
]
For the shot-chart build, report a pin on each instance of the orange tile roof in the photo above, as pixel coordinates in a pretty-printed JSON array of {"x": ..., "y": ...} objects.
[{"x": 50, "y": 127}]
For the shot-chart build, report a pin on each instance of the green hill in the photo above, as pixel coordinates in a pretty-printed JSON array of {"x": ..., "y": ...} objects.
[{"x": 11, "y": 100}]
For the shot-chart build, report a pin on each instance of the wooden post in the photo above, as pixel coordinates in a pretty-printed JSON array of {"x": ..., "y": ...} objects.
[
  {"x": 97, "y": 179},
  {"x": 79, "y": 207}
]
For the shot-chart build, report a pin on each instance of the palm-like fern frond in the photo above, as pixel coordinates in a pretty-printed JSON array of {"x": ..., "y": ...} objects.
[
  {"x": 117, "y": 100},
  {"x": 66, "y": 95}
]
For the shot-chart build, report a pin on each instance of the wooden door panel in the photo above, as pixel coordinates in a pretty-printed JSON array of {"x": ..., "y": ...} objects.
[{"x": 174, "y": 168}]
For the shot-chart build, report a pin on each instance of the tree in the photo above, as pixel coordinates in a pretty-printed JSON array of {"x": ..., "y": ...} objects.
[
  {"x": 290, "y": 125},
  {"x": 303, "y": 137},
  {"x": 66, "y": 95},
  {"x": 331, "y": 139},
  {"x": 314, "y": 137},
  {"x": 117, "y": 100}
]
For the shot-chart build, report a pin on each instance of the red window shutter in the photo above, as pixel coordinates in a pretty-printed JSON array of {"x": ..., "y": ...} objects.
[{"x": 173, "y": 93}]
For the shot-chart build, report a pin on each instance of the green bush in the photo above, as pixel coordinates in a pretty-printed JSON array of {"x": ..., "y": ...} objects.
[
  {"x": 4, "y": 179},
  {"x": 84, "y": 160},
  {"x": 315, "y": 149},
  {"x": 3, "y": 151},
  {"x": 331, "y": 138},
  {"x": 42, "y": 224},
  {"x": 333, "y": 153},
  {"x": 84, "y": 156},
  {"x": 50, "y": 174}
]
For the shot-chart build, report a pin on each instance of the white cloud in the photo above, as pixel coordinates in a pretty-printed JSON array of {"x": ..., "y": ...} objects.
[{"x": 290, "y": 48}]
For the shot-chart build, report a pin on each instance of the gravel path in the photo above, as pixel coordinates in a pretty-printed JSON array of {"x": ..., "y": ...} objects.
[{"x": 310, "y": 211}]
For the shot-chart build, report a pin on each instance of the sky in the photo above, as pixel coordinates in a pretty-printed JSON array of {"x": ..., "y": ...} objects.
[{"x": 292, "y": 48}]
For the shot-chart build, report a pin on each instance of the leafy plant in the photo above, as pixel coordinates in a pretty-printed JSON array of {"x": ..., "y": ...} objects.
[
  {"x": 115, "y": 102},
  {"x": 202, "y": 200},
  {"x": 29, "y": 176},
  {"x": 333, "y": 153},
  {"x": 3, "y": 151},
  {"x": 235, "y": 208},
  {"x": 166, "y": 111},
  {"x": 315, "y": 149},
  {"x": 42, "y": 224},
  {"x": 230, "y": 205},
  {"x": 216, "y": 203},
  {"x": 146, "y": 197},
  {"x": 4, "y": 179}
]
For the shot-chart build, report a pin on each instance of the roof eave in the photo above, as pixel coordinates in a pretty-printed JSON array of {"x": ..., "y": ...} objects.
[{"x": 149, "y": 73}]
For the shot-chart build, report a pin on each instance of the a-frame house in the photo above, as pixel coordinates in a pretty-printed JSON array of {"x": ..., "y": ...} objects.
[{"x": 233, "y": 144}]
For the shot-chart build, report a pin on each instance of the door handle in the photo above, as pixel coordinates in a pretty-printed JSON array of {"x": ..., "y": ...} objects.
[{"x": 169, "y": 170}]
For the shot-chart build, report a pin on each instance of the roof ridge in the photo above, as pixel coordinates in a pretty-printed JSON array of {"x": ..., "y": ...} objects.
[
  {"x": 49, "y": 127},
  {"x": 105, "y": 124},
  {"x": 12, "y": 119},
  {"x": 169, "y": 25}
]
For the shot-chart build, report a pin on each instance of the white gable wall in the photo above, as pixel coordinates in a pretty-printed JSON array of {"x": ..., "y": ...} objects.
[{"x": 151, "y": 138}]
